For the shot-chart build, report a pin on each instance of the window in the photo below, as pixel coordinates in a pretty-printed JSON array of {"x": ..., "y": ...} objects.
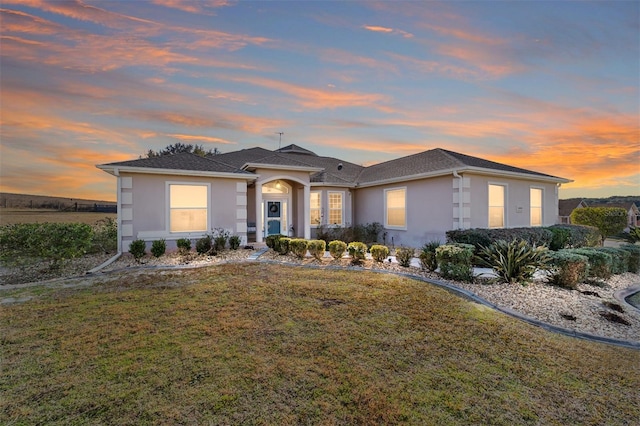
[
  {"x": 315, "y": 208},
  {"x": 188, "y": 207},
  {"x": 396, "y": 208},
  {"x": 496, "y": 206},
  {"x": 536, "y": 206},
  {"x": 335, "y": 208}
]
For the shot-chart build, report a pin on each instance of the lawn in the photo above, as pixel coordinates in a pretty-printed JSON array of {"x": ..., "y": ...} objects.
[{"x": 265, "y": 344}]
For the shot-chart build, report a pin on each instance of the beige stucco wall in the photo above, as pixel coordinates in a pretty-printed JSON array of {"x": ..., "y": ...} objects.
[
  {"x": 144, "y": 207},
  {"x": 517, "y": 204}
]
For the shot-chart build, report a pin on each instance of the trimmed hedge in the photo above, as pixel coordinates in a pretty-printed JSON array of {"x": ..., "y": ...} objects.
[
  {"x": 298, "y": 246},
  {"x": 272, "y": 240},
  {"x": 600, "y": 262},
  {"x": 138, "y": 248},
  {"x": 357, "y": 251},
  {"x": 158, "y": 247},
  {"x": 483, "y": 237},
  {"x": 567, "y": 269},
  {"x": 574, "y": 236},
  {"x": 184, "y": 245},
  {"x": 337, "y": 249},
  {"x": 634, "y": 257},
  {"x": 317, "y": 248},
  {"x": 282, "y": 245},
  {"x": 620, "y": 263},
  {"x": 404, "y": 256},
  {"x": 379, "y": 252},
  {"x": 455, "y": 261}
]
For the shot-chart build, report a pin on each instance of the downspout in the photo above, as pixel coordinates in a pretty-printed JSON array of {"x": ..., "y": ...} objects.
[
  {"x": 460, "y": 199},
  {"x": 116, "y": 173}
]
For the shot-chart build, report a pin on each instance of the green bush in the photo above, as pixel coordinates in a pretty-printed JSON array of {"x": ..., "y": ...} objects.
[
  {"x": 600, "y": 262},
  {"x": 567, "y": 269},
  {"x": 137, "y": 248},
  {"x": 203, "y": 245},
  {"x": 620, "y": 259},
  {"x": 220, "y": 237},
  {"x": 455, "y": 261},
  {"x": 282, "y": 245},
  {"x": 358, "y": 251},
  {"x": 298, "y": 246},
  {"x": 634, "y": 257},
  {"x": 608, "y": 220},
  {"x": 428, "y": 256},
  {"x": 317, "y": 248},
  {"x": 272, "y": 240},
  {"x": 337, "y": 249},
  {"x": 514, "y": 261},
  {"x": 404, "y": 256},
  {"x": 105, "y": 236},
  {"x": 184, "y": 245},
  {"x": 367, "y": 233},
  {"x": 483, "y": 237},
  {"x": 54, "y": 242},
  {"x": 234, "y": 242},
  {"x": 379, "y": 252},
  {"x": 578, "y": 236},
  {"x": 633, "y": 236},
  {"x": 158, "y": 248}
]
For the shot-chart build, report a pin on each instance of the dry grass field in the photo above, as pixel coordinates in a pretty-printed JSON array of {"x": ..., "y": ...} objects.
[{"x": 10, "y": 216}]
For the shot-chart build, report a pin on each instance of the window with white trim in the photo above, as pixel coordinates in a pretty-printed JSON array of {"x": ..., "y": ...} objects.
[
  {"x": 536, "y": 206},
  {"x": 315, "y": 208},
  {"x": 335, "y": 208},
  {"x": 496, "y": 206},
  {"x": 188, "y": 208},
  {"x": 395, "y": 201}
]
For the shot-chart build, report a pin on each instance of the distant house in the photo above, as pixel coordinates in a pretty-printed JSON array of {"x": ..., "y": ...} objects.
[
  {"x": 566, "y": 207},
  {"x": 256, "y": 192},
  {"x": 632, "y": 211}
]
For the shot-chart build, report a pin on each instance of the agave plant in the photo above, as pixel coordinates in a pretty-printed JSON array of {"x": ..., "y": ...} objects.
[{"x": 515, "y": 261}]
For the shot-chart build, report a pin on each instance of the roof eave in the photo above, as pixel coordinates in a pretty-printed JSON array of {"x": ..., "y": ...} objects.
[
  {"x": 254, "y": 166},
  {"x": 116, "y": 170}
]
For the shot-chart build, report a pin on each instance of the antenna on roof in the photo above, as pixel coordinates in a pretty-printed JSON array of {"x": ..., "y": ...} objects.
[{"x": 280, "y": 142}]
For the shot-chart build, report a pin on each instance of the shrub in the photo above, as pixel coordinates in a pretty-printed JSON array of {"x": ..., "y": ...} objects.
[
  {"x": 515, "y": 261},
  {"x": 379, "y": 252},
  {"x": 620, "y": 263},
  {"x": 567, "y": 269},
  {"x": 282, "y": 245},
  {"x": 404, "y": 256},
  {"x": 600, "y": 262},
  {"x": 272, "y": 240},
  {"x": 634, "y": 257},
  {"x": 184, "y": 245},
  {"x": 483, "y": 237},
  {"x": 298, "y": 246},
  {"x": 317, "y": 248},
  {"x": 54, "y": 242},
  {"x": 357, "y": 251},
  {"x": 158, "y": 248},
  {"x": 633, "y": 236},
  {"x": 608, "y": 220},
  {"x": 234, "y": 242},
  {"x": 337, "y": 249},
  {"x": 137, "y": 248},
  {"x": 220, "y": 237},
  {"x": 455, "y": 261},
  {"x": 579, "y": 236},
  {"x": 105, "y": 235},
  {"x": 203, "y": 245},
  {"x": 561, "y": 237},
  {"x": 428, "y": 256}
]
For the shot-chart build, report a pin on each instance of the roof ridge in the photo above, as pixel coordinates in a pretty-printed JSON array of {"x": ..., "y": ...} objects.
[{"x": 452, "y": 157}]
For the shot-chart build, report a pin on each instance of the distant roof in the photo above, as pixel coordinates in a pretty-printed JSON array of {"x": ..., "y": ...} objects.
[
  {"x": 627, "y": 206},
  {"x": 329, "y": 170},
  {"x": 565, "y": 207}
]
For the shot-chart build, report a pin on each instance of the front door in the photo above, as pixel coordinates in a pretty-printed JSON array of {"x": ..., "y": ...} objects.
[{"x": 274, "y": 217}]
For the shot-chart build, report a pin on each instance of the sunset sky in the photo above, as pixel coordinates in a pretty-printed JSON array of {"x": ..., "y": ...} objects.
[{"x": 548, "y": 86}]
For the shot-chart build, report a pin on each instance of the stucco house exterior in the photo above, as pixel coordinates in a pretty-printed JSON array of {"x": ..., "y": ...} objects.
[{"x": 256, "y": 192}]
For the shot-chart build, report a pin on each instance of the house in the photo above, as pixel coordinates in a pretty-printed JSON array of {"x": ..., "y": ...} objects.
[
  {"x": 566, "y": 207},
  {"x": 256, "y": 192},
  {"x": 632, "y": 211}
]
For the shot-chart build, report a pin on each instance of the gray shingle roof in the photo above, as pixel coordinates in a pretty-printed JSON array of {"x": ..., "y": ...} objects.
[
  {"x": 335, "y": 171},
  {"x": 181, "y": 161}
]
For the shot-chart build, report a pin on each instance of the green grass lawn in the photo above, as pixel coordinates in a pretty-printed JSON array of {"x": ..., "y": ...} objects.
[{"x": 265, "y": 344}]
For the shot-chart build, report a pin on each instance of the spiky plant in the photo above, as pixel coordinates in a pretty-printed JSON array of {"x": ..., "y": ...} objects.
[{"x": 514, "y": 261}]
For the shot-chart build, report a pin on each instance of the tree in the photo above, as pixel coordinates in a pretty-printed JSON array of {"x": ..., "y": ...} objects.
[
  {"x": 181, "y": 147},
  {"x": 608, "y": 220}
]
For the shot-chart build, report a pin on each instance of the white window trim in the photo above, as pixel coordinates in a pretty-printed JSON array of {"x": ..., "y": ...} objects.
[
  {"x": 505, "y": 217},
  {"x": 342, "y": 195},
  {"x": 167, "y": 229},
  {"x": 386, "y": 219},
  {"x": 541, "y": 205},
  {"x": 316, "y": 225}
]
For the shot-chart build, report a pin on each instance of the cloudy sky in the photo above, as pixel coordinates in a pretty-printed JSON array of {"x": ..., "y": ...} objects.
[{"x": 548, "y": 86}]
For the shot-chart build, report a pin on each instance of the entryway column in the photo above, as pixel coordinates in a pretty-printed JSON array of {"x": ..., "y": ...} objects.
[
  {"x": 307, "y": 212},
  {"x": 259, "y": 224}
]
